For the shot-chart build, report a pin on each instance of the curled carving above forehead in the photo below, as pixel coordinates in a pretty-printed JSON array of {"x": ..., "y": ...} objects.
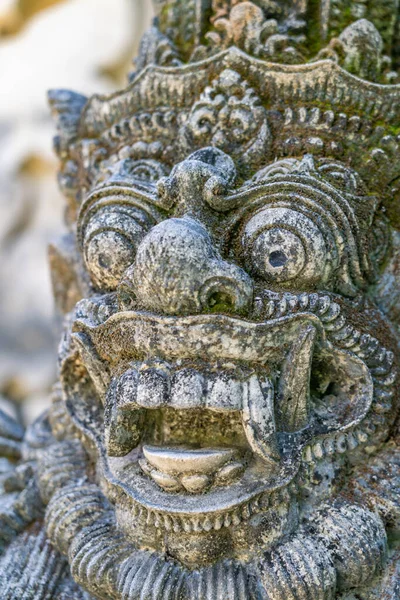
[{"x": 252, "y": 110}]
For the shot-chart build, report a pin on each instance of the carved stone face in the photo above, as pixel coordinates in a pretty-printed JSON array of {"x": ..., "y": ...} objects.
[
  {"x": 228, "y": 368},
  {"x": 225, "y": 426},
  {"x": 225, "y": 354}
]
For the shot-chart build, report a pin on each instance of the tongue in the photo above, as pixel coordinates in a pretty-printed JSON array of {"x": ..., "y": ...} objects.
[{"x": 186, "y": 460}]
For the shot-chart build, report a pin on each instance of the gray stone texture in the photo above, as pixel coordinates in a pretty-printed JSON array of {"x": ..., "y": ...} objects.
[{"x": 225, "y": 421}]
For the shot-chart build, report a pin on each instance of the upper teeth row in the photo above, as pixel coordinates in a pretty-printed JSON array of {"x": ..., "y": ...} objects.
[{"x": 156, "y": 386}]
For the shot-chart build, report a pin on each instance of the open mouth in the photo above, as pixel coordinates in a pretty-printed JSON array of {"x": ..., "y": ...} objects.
[
  {"x": 194, "y": 425},
  {"x": 224, "y": 433},
  {"x": 196, "y": 440}
]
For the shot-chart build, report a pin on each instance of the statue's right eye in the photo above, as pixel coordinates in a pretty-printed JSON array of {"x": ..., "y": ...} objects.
[{"x": 110, "y": 241}]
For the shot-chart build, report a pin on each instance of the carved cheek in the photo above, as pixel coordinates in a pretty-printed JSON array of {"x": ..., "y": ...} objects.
[{"x": 283, "y": 246}]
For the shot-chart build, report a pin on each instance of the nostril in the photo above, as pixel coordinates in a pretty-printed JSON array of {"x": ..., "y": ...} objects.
[
  {"x": 224, "y": 294},
  {"x": 220, "y": 302}
]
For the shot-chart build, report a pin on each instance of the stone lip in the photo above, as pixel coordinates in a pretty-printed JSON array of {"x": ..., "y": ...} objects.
[
  {"x": 133, "y": 334},
  {"x": 144, "y": 492}
]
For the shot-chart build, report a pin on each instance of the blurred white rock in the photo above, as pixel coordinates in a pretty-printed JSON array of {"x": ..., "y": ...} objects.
[{"x": 84, "y": 45}]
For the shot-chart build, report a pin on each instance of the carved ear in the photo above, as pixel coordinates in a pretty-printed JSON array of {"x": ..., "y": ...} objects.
[
  {"x": 66, "y": 108},
  {"x": 97, "y": 369},
  {"x": 68, "y": 279}
]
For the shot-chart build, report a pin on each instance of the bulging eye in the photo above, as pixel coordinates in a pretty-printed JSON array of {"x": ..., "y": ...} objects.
[
  {"x": 282, "y": 245},
  {"x": 278, "y": 254},
  {"x": 110, "y": 233},
  {"x": 110, "y": 252}
]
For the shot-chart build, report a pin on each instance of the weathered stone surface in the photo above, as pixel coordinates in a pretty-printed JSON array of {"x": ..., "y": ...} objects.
[{"x": 225, "y": 422}]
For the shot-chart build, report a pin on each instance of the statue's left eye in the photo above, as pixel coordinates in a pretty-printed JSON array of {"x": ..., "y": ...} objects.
[
  {"x": 278, "y": 254},
  {"x": 281, "y": 245}
]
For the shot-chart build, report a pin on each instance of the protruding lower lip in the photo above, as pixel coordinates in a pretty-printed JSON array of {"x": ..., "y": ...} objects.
[{"x": 144, "y": 492}]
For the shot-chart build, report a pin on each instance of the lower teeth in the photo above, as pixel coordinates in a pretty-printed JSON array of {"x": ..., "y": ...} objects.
[{"x": 191, "y": 471}]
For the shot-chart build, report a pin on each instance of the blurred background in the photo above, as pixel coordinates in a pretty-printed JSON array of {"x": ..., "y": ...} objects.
[{"x": 85, "y": 45}]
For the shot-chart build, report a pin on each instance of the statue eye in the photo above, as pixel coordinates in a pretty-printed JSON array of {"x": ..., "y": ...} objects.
[
  {"x": 108, "y": 254},
  {"x": 278, "y": 254},
  {"x": 281, "y": 245},
  {"x": 110, "y": 236}
]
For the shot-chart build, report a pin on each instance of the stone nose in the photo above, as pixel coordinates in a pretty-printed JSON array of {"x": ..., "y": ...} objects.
[{"x": 178, "y": 271}]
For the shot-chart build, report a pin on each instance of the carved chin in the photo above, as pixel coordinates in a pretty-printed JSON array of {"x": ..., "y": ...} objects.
[{"x": 343, "y": 546}]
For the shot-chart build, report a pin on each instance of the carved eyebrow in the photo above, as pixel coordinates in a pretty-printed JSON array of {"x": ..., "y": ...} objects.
[{"x": 250, "y": 196}]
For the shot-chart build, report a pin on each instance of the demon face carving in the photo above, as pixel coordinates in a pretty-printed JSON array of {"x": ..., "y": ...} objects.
[
  {"x": 223, "y": 378},
  {"x": 224, "y": 426},
  {"x": 225, "y": 350}
]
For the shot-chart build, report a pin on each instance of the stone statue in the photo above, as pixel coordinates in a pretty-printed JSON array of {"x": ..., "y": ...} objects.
[{"x": 225, "y": 422}]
